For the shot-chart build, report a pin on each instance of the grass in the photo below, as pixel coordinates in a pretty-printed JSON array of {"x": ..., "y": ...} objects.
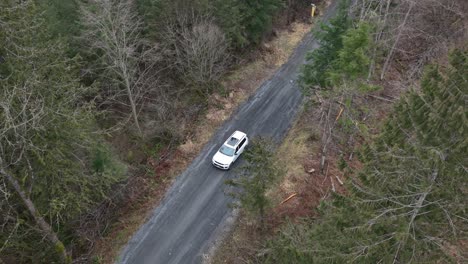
[
  {"x": 295, "y": 148},
  {"x": 299, "y": 156},
  {"x": 245, "y": 239}
]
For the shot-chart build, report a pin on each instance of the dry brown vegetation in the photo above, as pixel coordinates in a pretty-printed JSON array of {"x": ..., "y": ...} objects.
[
  {"x": 303, "y": 184},
  {"x": 432, "y": 30},
  {"x": 300, "y": 152},
  {"x": 147, "y": 190}
]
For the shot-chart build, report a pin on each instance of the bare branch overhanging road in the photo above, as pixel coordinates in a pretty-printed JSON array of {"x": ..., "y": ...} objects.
[{"x": 194, "y": 209}]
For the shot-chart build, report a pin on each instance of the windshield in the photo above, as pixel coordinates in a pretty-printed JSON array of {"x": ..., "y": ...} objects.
[{"x": 227, "y": 151}]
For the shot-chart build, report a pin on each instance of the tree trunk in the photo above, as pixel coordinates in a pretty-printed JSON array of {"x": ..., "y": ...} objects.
[
  {"x": 130, "y": 98},
  {"x": 43, "y": 225},
  {"x": 387, "y": 61},
  {"x": 133, "y": 105},
  {"x": 382, "y": 25}
]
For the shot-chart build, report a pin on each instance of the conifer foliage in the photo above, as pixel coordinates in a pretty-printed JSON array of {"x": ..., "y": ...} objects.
[
  {"x": 258, "y": 175},
  {"x": 47, "y": 139},
  {"x": 409, "y": 202},
  {"x": 244, "y": 22},
  {"x": 330, "y": 37}
]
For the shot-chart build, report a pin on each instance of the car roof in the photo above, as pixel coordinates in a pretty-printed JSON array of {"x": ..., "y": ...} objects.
[{"x": 234, "y": 139}]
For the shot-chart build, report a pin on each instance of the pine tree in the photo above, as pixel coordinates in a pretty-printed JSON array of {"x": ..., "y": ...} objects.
[
  {"x": 409, "y": 202},
  {"x": 246, "y": 21},
  {"x": 62, "y": 19},
  {"x": 258, "y": 175},
  {"x": 258, "y": 16},
  {"x": 230, "y": 17},
  {"x": 353, "y": 59},
  {"x": 330, "y": 38},
  {"x": 47, "y": 137}
]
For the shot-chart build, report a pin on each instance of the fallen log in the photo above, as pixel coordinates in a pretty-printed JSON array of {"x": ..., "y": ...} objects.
[{"x": 289, "y": 198}]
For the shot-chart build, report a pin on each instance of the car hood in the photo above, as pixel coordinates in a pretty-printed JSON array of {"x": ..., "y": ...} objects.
[{"x": 223, "y": 159}]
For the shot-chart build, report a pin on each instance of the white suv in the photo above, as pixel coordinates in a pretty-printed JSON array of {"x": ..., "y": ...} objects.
[{"x": 230, "y": 150}]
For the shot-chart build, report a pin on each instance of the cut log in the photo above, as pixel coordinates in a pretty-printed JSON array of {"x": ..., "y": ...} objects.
[
  {"x": 338, "y": 179},
  {"x": 339, "y": 114},
  {"x": 289, "y": 198},
  {"x": 381, "y": 98}
]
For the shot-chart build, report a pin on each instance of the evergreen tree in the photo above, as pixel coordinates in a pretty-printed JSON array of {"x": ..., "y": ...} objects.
[
  {"x": 62, "y": 20},
  {"x": 352, "y": 60},
  {"x": 230, "y": 17},
  {"x": 409, "y": 202},
  {"x": 47, "y": 138},
  {"x": 330, "y": 38},
  {"x": 258, "y": 175},
  {"x": 258, "y": 16},
  {"x": 246, "y": 21}
]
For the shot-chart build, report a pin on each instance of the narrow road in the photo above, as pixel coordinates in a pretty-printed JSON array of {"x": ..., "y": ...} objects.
[{"x": 186, "y": 223}]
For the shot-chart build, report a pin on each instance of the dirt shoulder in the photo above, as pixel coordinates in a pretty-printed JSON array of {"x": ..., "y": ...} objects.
[
  {"x": 295, "y": 197},
  {"x": 240, "y": 84}
]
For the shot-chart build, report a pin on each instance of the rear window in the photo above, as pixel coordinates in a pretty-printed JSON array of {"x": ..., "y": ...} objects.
[
  {"x": 232, "y": 141},
  {"x": 227, "y": 150}
]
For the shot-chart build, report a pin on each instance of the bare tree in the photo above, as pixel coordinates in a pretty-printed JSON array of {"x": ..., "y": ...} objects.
[
  {"x": 17, "y": 132},
  {"x": 199, "y": 48},
  {"x": 392, "y": 49},
  {"x": 113, "y": 32},
  {"x": 413, "y": 31}
]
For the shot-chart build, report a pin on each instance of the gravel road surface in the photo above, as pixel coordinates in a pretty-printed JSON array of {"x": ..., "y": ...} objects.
[{"x": 195, "y": 208}]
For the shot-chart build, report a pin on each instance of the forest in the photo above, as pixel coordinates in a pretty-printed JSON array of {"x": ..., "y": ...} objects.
[
  {"x": 97, "y": 95},
  {"x": 384, "y": 131},
  {"x": 88, "y": 90}
]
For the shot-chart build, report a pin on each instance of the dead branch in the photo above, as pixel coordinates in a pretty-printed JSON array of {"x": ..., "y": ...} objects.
[
  {"x": 289, "y": 198},
  {"x": 381, "y": 98},
  {"x": 198, "y": 48},
  {"x": 113, "y": 32}
]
